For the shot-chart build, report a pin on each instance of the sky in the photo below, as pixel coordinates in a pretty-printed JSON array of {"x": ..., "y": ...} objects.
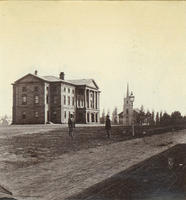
[{"x": 114, "y": 42}]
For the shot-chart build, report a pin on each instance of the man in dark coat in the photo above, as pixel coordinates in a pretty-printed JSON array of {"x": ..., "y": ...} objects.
[
  {"x": 108, "y": 126},
  {"x": 71, "y": 125}
]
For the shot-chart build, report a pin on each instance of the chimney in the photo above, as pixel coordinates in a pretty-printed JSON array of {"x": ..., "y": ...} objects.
[
  {"x": 62, "y": 76},
  {"x": 35, "y": 72}
]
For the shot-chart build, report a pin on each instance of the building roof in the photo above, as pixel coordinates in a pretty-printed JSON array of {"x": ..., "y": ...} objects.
[
  {"x": 77, "y": 82},
  {"x": 87, "y": 82},
  {"x": 51, "y": 78}
]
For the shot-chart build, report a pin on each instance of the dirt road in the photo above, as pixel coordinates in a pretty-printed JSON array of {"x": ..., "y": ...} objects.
[{"x": 48, "y": 172}]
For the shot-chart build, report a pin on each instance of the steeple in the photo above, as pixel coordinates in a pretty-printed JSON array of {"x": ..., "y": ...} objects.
[{"x": 127, "y": 90}]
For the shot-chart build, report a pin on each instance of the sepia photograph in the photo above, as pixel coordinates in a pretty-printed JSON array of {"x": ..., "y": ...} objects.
[{"x": 92, "y": 100}]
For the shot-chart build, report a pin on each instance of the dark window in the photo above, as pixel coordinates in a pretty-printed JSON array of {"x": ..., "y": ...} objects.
[
  {"x": 64, "y": 89},
  {"x": 72, "y": 91},
  {"x": 24, "y": 99},
  {"x": 36, "y": 99},
  {"x": 78, "y": 102},
  {"x": 65, "y": 114},
  {"x": 96, "y": 117},
  {"x": 88, "y": 117},
  {"x": 47, "y": 99},
  {"x": 73, "y": 101},
  {"x": 92, "y": 117},
  {"x": 64, "y": 100},
  {"x": 127, "y": 111},
  {"x": 24, "y": 115},
  {"x": 82, "y": 102},
  {"x": 54, "y": 115},
  {"x": 36, "y": 114},
  {"x": 36, "y": 88},
  {"x": 68, "y": 100},
  {"x": 55, "y": 99},
  {"x": 23, "y": 89},
  {"x": 68, "y": 90}
]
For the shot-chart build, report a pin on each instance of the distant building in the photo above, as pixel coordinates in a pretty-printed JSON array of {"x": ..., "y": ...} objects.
[
  {"x": 40, "y": 100},
  {"x": 136, "y": 112},
  {"x": 128, "y": 109},
  {"x": 126, "y": 117}
]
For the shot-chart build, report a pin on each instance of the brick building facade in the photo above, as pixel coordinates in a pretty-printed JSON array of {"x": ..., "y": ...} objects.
[{"x": 40, "y": 100}]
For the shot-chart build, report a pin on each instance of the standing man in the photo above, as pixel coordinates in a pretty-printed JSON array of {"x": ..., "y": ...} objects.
[
  {"x": 108, "y": 126},
  {"x": 71, "y": 125}
]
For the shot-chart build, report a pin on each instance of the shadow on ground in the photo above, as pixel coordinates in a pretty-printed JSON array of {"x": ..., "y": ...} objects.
[{"x": 161, "y": 177}]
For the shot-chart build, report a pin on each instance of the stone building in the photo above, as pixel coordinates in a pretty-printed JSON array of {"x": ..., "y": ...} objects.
[{"x": 45, "y": 99}]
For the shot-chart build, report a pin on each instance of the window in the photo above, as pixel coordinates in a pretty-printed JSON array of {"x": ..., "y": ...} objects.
[
  {"x": 68, "y": 100},
  {"x": 36, "y": 114},
  {"x": 73, "y": 101},
  {"x": 24, "y": 99},
  {"x": 24, "y": 115},
  {"x": 23, "y": 89},
  {"x": 54, "y": 88},
  {"x": 36, "y": 99},
  {"x": 82, "y": 103},
  {"x": 64, "y": 89},
  {"x": 65, "y": 114},
  {"x": 55, "y": 99},
  {"x": 96, "y": 117},
  {"x": 72, "y": 91},
  {"x": 88, "y": 117},
  {"x": 54, "y": 115},
  {"x": 127, "y": 111},
  {"x": 64, "y": 100},
  {"x": 78, "y": 102},
  {"x": 68, "y": 90},
  {"x": 47, "y": 98},
  {"x": 36, "y": 88}
]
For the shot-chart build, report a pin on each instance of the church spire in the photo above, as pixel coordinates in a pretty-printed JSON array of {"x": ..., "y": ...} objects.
[{"x": 127, "y": 89}]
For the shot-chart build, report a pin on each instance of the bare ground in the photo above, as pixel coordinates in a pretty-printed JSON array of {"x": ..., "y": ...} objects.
[{"x": 49, "y": 165}]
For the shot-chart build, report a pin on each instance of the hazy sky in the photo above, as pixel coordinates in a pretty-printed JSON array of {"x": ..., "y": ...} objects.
[{"x": 143, "y": 43}]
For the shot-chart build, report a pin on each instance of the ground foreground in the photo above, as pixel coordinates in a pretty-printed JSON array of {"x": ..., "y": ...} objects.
[{"x": 44, "y": 163}]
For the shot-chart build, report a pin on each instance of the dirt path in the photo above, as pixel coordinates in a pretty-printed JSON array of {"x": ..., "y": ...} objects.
[{"x": 71, "y": 173}]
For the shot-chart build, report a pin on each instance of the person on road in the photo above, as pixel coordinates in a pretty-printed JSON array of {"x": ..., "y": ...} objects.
[
  {"x": 71, "y": 126},
  {"x": 108, "y": 126}
]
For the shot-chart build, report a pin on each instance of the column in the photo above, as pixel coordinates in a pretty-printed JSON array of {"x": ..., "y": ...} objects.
[
  {"x": 89, "y": 99},
  {"x": 85, "y": 98},
  {"x": 96, "y": 100},
  {"x": 93, "y": 99}
]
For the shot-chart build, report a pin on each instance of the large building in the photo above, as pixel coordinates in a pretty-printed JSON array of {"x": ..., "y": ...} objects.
[{"x": 45, "y": 99}]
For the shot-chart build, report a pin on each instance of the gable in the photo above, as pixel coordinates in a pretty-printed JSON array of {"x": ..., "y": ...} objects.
[
  {"x": 92, "y": 84},
  {"x": 29, "y": 78}
]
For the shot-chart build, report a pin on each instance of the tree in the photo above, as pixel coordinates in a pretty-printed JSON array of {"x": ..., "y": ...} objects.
[
  {"x": 152, "y": 121},
  {"x": 161, "y": 115},
  {"x": 165, "y": 119},
  {"x": 115, "y": 115},
  {"x": 148, "y": 117},
  {"x": 102, "y": 119},
  {"x": 141, "y": 115},
  {"x": 157, "y": 119},
  {"x": 176, "y": 117}
]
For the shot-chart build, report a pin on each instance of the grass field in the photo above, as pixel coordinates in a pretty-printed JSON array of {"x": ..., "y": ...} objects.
[{"x": 43, "y": 162}]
